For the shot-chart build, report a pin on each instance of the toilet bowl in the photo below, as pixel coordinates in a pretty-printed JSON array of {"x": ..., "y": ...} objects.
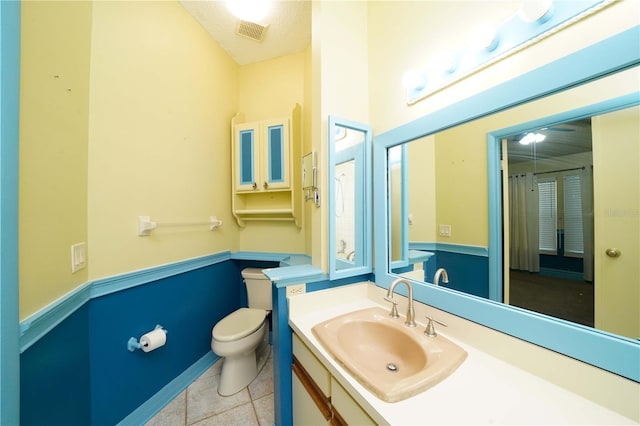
[{"x": 242, "y": 337}]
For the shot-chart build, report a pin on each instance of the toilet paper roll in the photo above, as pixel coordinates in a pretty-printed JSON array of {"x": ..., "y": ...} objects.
[{"x": 153, "y": 340}]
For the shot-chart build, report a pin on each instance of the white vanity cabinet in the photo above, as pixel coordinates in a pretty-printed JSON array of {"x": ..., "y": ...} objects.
[
  {"x": 265, "y": 179},
  {"x": 318, "y": 398}
]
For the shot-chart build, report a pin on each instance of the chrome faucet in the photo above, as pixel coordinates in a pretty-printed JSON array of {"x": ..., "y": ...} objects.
[
  {"x": 411, "y": 314},
  {"x": 445, "y": 276}
]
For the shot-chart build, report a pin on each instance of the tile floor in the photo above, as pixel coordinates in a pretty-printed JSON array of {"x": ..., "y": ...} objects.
[{"x": 200, "y": 404}]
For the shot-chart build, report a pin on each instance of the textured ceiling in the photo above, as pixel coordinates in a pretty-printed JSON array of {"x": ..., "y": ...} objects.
[
  {"x": 289, "y": 29},
  {"x": 569, "y": 138}
]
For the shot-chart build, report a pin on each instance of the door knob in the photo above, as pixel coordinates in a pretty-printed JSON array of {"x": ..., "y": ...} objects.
[{"x": 613, "y": 252}]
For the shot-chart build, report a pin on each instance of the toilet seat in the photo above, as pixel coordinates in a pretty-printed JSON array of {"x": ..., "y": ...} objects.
[{"x": 238, "y": 324}]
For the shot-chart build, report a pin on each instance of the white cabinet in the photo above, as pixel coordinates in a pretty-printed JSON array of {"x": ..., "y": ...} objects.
[
  {"x": 266, "y": 179},
  {"x": 318, "y": 398}
]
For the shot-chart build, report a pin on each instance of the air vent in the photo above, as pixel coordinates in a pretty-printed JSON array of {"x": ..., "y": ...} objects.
[{"x": 255, "y": 32}]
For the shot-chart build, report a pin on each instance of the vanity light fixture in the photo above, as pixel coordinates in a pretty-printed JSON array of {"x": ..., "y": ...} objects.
[
  {"x": 533, "y": 21},
  {"x": 531, "y": 137},
  {"x": 249, "y": 10}
]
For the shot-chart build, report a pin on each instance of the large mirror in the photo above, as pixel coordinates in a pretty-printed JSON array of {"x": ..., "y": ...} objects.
[
  {"x": 350, "y": 227},
  {"x": 531, "y": 208}
]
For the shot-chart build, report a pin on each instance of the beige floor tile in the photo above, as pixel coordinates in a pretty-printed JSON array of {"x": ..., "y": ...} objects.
[
  {"x": 243, "y": 415},
  {"x": 204, "y": 401},
  {"x": 173, "y": 414},
  {"x": 264, "y": 410},
  {"x": 201, "y": 405},
  {"x": 263, "y": 384}
]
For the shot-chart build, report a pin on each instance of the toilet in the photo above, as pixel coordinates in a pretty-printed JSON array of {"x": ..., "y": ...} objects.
[{"x": 242, "y": 337}]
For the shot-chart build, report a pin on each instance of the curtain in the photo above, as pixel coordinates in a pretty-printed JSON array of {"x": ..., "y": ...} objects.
[
  {"x": 586, "y": 181},
  {"x": 523, "y": 223}
]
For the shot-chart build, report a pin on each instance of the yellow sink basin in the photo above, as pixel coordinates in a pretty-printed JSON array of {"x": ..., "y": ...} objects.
[{"x": 390, "y": 359}]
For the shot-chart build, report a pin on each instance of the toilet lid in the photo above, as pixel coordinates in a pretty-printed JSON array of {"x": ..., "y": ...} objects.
[{"x": 238, "y": 324}]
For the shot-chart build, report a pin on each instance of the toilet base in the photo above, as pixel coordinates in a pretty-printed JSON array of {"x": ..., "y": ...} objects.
[{"x": 240, "y": 370}]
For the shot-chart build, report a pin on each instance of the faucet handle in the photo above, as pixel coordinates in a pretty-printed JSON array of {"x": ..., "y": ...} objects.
[
  {"x": 394, "y": 308},
  {"x": 430, "y": 331}
]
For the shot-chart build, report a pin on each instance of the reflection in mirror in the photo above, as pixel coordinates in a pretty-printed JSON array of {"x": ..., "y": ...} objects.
[
  {"x": 549, "y": 216},
  {"x": 349, "y": 195},
  {"x": 460, "y": 220},
  {"x": 552, "y": 210},
  {"x": 549, "y": 213}
]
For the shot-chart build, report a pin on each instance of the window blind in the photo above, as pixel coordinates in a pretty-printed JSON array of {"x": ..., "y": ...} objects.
[
  {"x": 573, "y": 240},
  {"x": 547, "y": 205}
]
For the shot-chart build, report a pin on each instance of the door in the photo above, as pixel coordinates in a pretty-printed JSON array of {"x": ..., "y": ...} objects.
[{"x": 616, "y": 181}]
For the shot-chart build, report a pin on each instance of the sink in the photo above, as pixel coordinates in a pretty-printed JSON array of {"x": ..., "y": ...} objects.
[{"x": 390, "y": 359}]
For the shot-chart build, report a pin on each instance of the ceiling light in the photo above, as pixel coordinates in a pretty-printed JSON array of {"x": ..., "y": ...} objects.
[
  {"x": 535, "y": 11},
  {"x": 249, "y": 10},
  {"x": 532, "y": 138}
]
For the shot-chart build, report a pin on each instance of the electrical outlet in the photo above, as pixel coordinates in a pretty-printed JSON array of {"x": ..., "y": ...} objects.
[
  {"x": 294, "y": 290},
  {"x": 78, "y": 257},
  {"x": 445, "y": 230}
]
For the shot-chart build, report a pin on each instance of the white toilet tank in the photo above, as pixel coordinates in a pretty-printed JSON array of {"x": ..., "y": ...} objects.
[{"x": 258, "y": 288}]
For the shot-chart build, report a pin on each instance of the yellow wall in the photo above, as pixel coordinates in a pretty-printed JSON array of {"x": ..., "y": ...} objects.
[
  {"x": 422, "y": 190},
  {"x": 162, "y": 97},
  {"x": 340, "y": 87},
  {"x": 126, "y": 111},
  {"x": 54, "y": 126},
  {"x": 270, "y": 89}
]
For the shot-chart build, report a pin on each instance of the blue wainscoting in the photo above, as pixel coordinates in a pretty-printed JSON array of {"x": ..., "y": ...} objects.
[
  {"x": 467, "y": 266},
  {"x": 80, "y": 372},
  {"x": 75, "y": 365},
  {"x": 54, "y": 375},
  {"x": 188, "y": 305},
  {"x": 467, "y": 272}
]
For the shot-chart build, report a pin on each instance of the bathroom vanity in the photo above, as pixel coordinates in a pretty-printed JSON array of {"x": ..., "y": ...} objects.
[{"x": 484, "y": 389}]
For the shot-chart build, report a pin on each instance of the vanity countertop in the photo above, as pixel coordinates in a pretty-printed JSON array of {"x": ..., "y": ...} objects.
[{"x": 483, "y": 390}]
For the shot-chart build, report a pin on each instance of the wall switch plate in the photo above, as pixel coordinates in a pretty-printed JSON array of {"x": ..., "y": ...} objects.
[
  {"x": 295, "y": 289},
  {"x": 78, "y": 257},
  {"x": 445, "y": 230}
]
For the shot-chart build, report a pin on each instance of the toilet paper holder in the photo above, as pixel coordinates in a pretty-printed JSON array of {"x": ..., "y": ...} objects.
[{"x": 134, "y": 344}]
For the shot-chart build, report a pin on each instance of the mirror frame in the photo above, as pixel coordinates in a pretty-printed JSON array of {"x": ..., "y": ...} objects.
[
  {"x": 607, "y": 351},
  {"x": 364, "y": 236},
  {"x": 402, "y": 260}
]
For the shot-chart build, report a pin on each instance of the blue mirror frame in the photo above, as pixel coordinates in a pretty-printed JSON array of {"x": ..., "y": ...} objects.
[
  {"x": 361, "y": 153},
  {"x": 613, "y": 353}
]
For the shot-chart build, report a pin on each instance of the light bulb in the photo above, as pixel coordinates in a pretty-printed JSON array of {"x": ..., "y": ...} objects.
[
  {"x": 249, "y": 10},
  {"x": 530, "y": 138},
  {"x": 484, "y": 37},
  {"x": 413, "y": 80},
  {"x": 535, "y": 10}
]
